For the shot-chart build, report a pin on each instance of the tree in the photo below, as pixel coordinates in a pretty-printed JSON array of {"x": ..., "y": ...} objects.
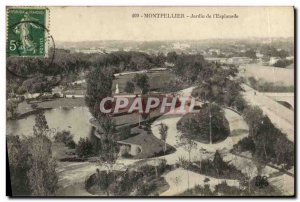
[
  {"x": 249, "y": 169},
  {"x": 107, "y": 135},
  {"x": 41, "y": 126},
  {"x": 188, "y": 145},
  {"x": 172, "y": 56},
  {"x": 239, "y": 103},
  {"x": 251, "y": 54},
  {"x": 284, "y": 154},
  {"x": 283, "y": 63},
  {"x": 253, "y": 116},
  {"x": 129, "y": 88},
  {"x": 33, "y": 167},
  {"x": 65, "y": 137},
  {"x": 217, "y": 85},
  {"x": 142, "y": 81},
  {"x": 99, "y": 86},
  {"x": 18, "y": 165},
  {"x": 163, "y": 131},
  {"x": 11, "y": 108},
  {"x": 103, "y": 180},
  {"x": 42, "y": 175},
  {"x": 218, "y": 163},
  {"x": 209, "y": 125},
  {"x": 188, "y": 67},
  {"x": 84, "y": 148}
]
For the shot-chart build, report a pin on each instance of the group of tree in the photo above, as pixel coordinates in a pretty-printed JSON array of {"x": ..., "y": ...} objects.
[
  {"x": 99, "y": 85},
  {"x": 283, "y": 63},
  {"x": 264, "y": 86},
  {"x": 102, "y": 144},
  {"x": 143, "y": 181},
  {"x": 11, "y": 109},
  {"x": 209, "y": 125},
  {"x": 187, "y": 66},
  {"x": 142, "y": 81},
  {"x": 66, "y": 64},
  {"x": 65, "y": 137},
  {"x": 129, "y": 87},
  {"x": 266, "y": 142},
  {"x": 271, "y": 51},
  {"x": 31, "y": 165}
]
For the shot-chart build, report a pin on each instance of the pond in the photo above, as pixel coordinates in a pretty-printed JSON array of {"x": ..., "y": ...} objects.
[{"x": 76, "y": 120}]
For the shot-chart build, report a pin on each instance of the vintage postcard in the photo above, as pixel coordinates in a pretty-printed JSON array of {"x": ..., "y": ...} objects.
[{"x": 150, "y": 101}]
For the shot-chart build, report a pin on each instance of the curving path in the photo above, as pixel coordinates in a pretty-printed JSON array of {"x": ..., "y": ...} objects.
[{"x": 238, "y": 130}]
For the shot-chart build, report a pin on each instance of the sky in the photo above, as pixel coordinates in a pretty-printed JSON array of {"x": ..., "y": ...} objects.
[{"x": 74, "y": 24}]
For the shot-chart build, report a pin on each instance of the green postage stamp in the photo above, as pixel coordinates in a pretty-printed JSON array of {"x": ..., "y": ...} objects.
[{"x": 27, "y": 32}]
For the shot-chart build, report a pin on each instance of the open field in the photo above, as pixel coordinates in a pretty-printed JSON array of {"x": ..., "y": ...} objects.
[{"x": 277, "y": 75}]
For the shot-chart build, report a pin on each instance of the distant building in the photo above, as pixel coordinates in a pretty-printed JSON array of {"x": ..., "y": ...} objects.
[
  {"x": 211, "y": 51},
  {"x": 239, "y": 60},
  {"x": 290, "y": 58},
  {"x": 169, "y": 64},
  {"x": 143, "y": 145},
  {"x": 58, "y": 90},
  {"x": 31, "y": 95},
  {"x": 273, "y": 60},
  {"x": 219, "y": 60},
  {"x": 259, "y": 55},
  {"x": 181, "y": 46}
]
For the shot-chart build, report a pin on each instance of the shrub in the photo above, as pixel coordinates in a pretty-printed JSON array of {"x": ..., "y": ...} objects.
[
  {"x": 129, "y": 88},
  {"x": 125, "y": 132},
  {"x": 65, "y": 137},
  {"x": 245, "y": 144},
  {"x": 283, "y": 63},
  {"x": 84, "y": 148},
  {"x": 197, "y": 126},
  {"x": 56, "y": 95}
]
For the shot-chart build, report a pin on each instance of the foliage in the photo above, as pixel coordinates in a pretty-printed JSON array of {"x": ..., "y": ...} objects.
[
  {"x": 197, "y": 125},
  {"x": 18, "y": 165},
  {"x": 99, "y": 85},
  {"x": 125, "y": 132},
  {"x": 32, "y": 168},
  {"x": 39, "y": 84},
  {"x": 129, "y": 88},
  {"x": 217, "y": 168},
  {"x": 11, "y": 108},
  {"x": 163, "y": 131},
  {"x": 265, "y": 140},
  {"x": 216, "y": 84},
  {"x": 245, "y": 144},
  {"x": 188, "y": 67},
  {"x": 65, "y": 137},
  {"x": 172, "y": 86},
  {"x": 270, "y": 51},
  {"x": 283, "y": 63},
  {"x": 240, "y": 103},
  {"x": 140, "y": 182},
  {"x": 198, "y": 190},
  {"x": 263, "y": 86},
  {"x": 142, "y": 81},
  {"x": 253, "y": 116},
  {"x": 84, "y": 148}
]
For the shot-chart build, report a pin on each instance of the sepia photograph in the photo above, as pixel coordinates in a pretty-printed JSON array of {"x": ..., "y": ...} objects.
[{"x": 156, "y": 101}]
